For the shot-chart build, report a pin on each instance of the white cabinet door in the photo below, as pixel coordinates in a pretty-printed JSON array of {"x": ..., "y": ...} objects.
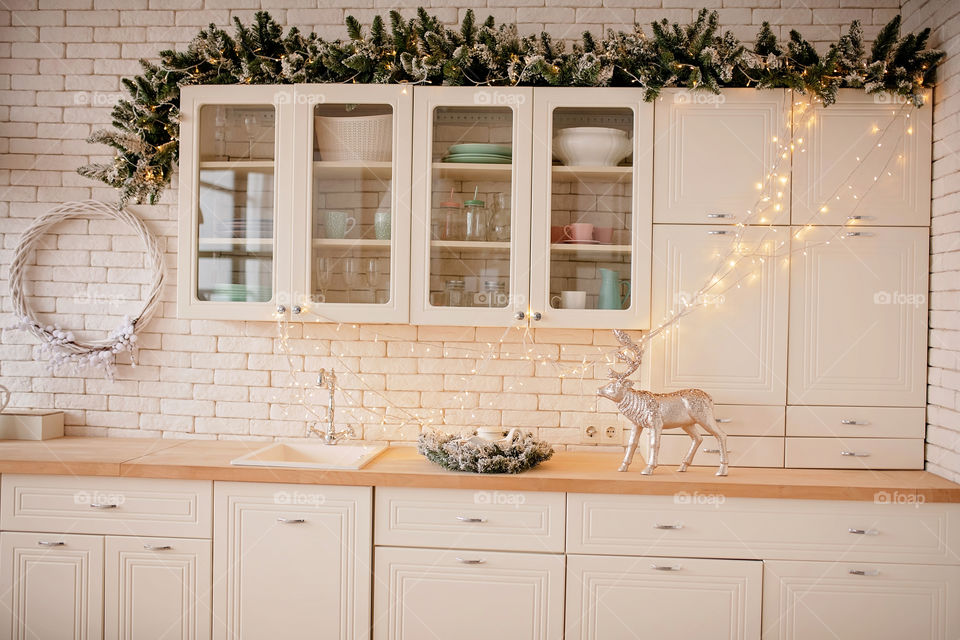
[
  {"x": 51, "y": 586},
  {"x": 453, "y": 184},
  {"x": 811, "y": 600},
  {"x": 291, "y": 561},
  {"x": 351, "y": 251},
  {"x": 864, "y": 159},
  {"x": 663, "y": 598},
  {"x": 601, "y": 278},
  {"x": 735, "y": 346},
  {"x": 156, "y": 588},
  {"x": 468, "y": 595},
  {"x": 235, "y": 232},
  {"x": 858, "y": 313},
  {"x": 713, "y": 150}
]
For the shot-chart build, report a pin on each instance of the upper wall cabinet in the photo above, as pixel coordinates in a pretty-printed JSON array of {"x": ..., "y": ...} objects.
[
  {"x": 235, "y": 201},
  {"x": 714, "y": 151},
  {"x": 735, "y": 348},
  {"x": 289, "y": 198},
  {"x": 592, "y": 168},
  {"x": 351, "y": 251},
  {"x": 471, "y": 198},
  {"x": 858, "y": 317},
  {"x": 862, "y": 142}
]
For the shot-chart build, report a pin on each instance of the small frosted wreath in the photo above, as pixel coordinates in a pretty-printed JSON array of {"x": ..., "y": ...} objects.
[{"x": 59, "y": 344}]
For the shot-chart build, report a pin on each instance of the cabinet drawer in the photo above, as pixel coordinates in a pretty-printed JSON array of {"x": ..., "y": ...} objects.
[
  {"x": 710, "y": 525},
  {"x": 614, "y": 596},
  {"x": 465, "y": 519},
  {"x": 422, "y": 594},
  {"x": 113, "y": 506},
  {"x": 860, "y": 600},
  {"x": 854, "y": 453},
  {"x": 744, "y": 451},
  {"x": 750, "y": 420},
  {"x": 857, "y": 422}
]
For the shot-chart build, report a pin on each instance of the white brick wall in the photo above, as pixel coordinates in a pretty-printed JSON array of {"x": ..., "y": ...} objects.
[
  {"x": 943, "y": 408},
  {"x": 60, "y": 66}
]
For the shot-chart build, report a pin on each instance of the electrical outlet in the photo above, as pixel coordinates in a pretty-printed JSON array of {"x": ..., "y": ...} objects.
[
  {"x": 592, "y": 434},
  {"x": 612, "y": 434},
  {"x": 589, "y": 434}
]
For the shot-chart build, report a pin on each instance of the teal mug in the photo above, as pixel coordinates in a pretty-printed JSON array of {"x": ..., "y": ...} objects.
[{"x": 614, "y": 292}]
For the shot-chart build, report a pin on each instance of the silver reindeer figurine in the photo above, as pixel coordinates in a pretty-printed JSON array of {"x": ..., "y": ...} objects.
[{"x": 683, "y": 409}]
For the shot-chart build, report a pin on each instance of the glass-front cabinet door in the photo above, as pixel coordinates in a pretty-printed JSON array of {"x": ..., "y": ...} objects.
[
  {"x": 471, "y": 205},
  {"x": 351, "y": 252},
  {"x": 592, "y": 169},
  {"x": 232, "y": 246}
]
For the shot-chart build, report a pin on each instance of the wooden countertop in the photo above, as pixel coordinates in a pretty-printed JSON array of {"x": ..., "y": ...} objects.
[{"x": 567, "y": 471}]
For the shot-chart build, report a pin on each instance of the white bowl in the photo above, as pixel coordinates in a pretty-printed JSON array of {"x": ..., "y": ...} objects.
[{"x": 591, "y": 146}]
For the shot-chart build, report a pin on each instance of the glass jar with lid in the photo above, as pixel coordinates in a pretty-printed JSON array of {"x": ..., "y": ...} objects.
[
  {"x": 476, "y": 216},
  {"x": 494, "y": 294},
  {"x": 455, "y": 293},
  {"x": 450, "y": 219}
]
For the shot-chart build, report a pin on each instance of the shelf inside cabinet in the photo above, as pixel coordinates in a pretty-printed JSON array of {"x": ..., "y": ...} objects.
[
  {"x": 350, "y": 242},
  {"x": 470, "y": 245},
  {"x": 340, "y": 169},
  {"x": 206, "y": 243},
  {"x": 473, "y": 171},
  {"x": 590, "y": 248},
  {"x": 592, "y": 174},
  {"x": 236, "y": 165}
]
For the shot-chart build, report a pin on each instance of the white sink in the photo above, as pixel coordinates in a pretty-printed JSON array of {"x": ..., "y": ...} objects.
[{"x": 311, "y": 456}]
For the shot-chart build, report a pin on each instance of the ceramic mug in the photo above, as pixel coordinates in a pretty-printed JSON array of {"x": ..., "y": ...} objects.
[
  {"x": 579, "y": 231},
  {"x": 339, "y": 224},
  {"x": 603, "y": 235},
  {"x": 570, "y": 300},
  {"x": 381, "y": 225}
]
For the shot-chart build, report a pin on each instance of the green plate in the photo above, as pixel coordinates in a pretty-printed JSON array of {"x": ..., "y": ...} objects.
[
  {"x": 482, "y": 148},
  {"x": 479, "y": 158}
]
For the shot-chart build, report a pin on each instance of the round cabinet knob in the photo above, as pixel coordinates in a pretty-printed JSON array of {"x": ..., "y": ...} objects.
[
  {"x": 537, "y": 316},
  {"x": 296, "y": 309},
  {"x": 281, "y": 308},
  {"x": 519, "y": 315}
]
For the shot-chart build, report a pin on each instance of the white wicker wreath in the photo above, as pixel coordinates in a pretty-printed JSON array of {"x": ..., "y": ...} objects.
[{"x": 59, "y": 344}]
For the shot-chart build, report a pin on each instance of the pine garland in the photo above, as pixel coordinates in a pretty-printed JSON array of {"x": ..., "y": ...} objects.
[
  {"x": 475, "y": 455},
  {"x": 422, "y": 50}
]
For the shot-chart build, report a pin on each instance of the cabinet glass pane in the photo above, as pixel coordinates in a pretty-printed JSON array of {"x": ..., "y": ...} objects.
[
  {"x": 352, "y": 203},
  {"x": 590, "y": 208},
  {"x": 470, "y": 212},
  {"x": 236, "y": 203}
]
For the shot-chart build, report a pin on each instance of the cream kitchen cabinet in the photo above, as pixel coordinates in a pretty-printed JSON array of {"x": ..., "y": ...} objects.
[
  {"x": 714, "y": 149},
  {"x": 858, "y": 316},
  {"x": 51, "y": 586},
  {"x": 129, "y": 579},
  {"x": 156, "y": 588},
  {"x": 567, "y": 244},
  {"x": 680, "y": 598},
  {"x": 879, "y": 601},
  {"x": 735, "y": 347},
  {"x": 863, "y": 160},
  {"x": 291, "y": 561},
  {"x": 282, "y": 207},
  {"x": 469, "y": 595}
]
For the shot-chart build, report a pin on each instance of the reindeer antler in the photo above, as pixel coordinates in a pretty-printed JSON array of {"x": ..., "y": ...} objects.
[{"x": 632, "y": 363}]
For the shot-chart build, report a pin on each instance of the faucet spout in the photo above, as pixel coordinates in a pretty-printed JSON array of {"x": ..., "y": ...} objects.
[{"x": 328, "y": 379}]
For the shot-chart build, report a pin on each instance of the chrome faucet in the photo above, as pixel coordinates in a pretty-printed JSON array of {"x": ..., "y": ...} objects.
[{"x": 329, "y": 433}]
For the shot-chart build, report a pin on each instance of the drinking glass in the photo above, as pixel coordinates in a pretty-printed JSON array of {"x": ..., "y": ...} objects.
[
  {"x": 321, "y": 276},
  {"x": 250, "y": 124},
  {"x": 373, "y": 277}
]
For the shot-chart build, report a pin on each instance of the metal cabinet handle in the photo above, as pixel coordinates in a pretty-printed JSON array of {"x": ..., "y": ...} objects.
[
  {"x": 858, "y": 422},
  {"x": 665, "y": 567},
  {"x": 863, "y": 532},
  {"x": 102, "y": 505},
  {"x": 157, "y": 547},
  {"x": 283, "y": 520},
  {"x": 51, "y": 543},
  {"x": 859, "y": 217},
  {"x": 718, "y": 215},
  {"x": 537, "y": 316},
  {"x": 519, "y": 315},
  {"x": 717, "y": 232},
  {"x": 470, "y": 560},
  {"x": 281, "y": 308},
  {"x": 470, "y": 519},
  {"x": 864, "y": 572},
  {"x": 723, "y": 420},
  {"x": 296, "y": 309},
  {"x": 855, "y": 454},
  {"x": 857, "y": 234},
  {"x": 714, "y": 450},
  {"x": 668, "y": 526}
]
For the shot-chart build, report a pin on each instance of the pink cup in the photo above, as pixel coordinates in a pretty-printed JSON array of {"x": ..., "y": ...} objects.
[
  {"x": 579, "y": 231},
  {"x": 603, "y": 235}
]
